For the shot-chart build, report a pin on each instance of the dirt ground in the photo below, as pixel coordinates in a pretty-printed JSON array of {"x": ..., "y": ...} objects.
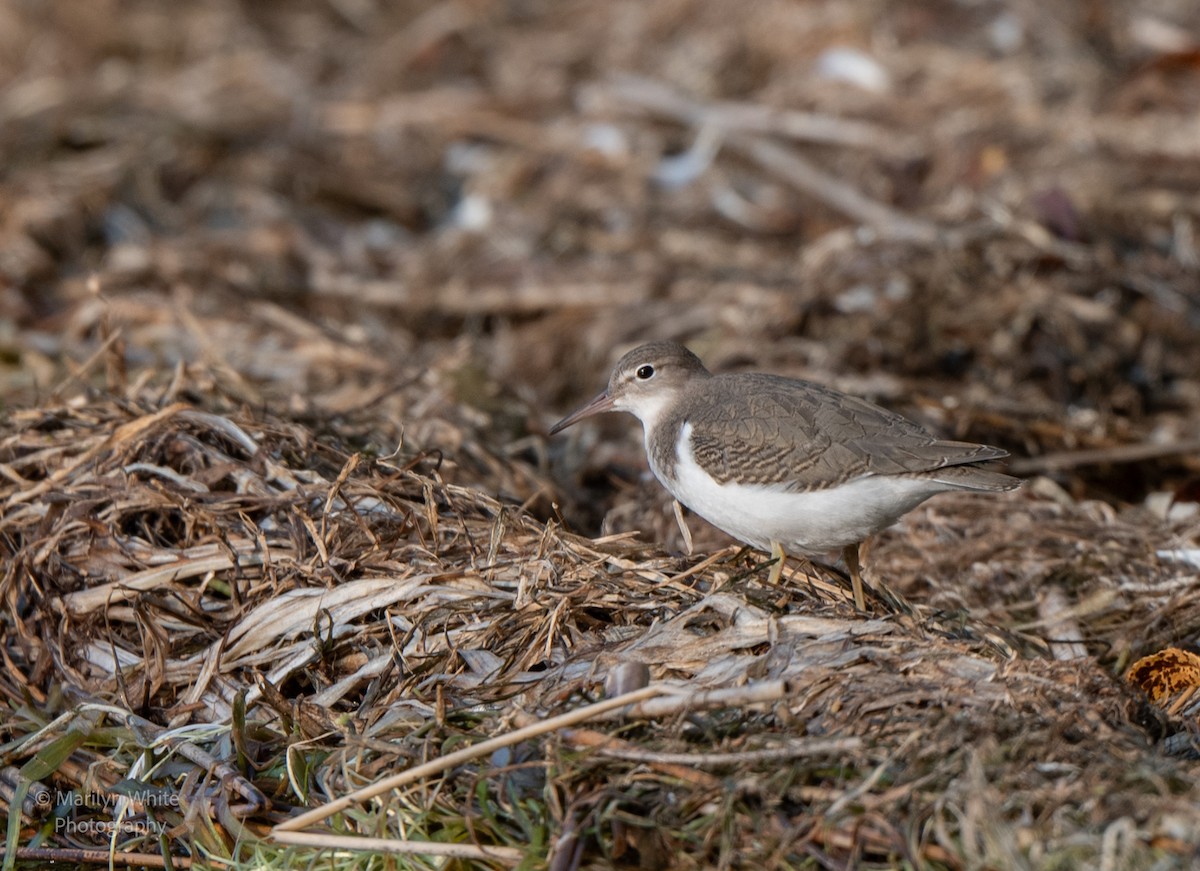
[{"x": 290, "y": 294}]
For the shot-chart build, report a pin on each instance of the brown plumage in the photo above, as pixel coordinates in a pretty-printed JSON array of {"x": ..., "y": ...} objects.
[{"x": 765, "y": 429}]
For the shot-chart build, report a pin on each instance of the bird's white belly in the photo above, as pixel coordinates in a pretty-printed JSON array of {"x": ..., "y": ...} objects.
[{"x": 813, "y": 521}]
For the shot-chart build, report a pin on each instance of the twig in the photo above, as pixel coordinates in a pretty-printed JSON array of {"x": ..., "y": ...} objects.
[
  {"x": 873, "y": 778},
  {"x": 794, "y": 750},
  {"x": 78, "y": 374},
  {"x": 622, "y": 749},
  {"x": 750, "y": 694},
  {"x": 699, "y": 567},
  {"x": 392, "y": 845},
  {"x": 462, "y": 299},
  {"x": 732, "y": 116},
  {"x": 1060, "y": 460},
  {"x": 683, "y": 527},
  {"x": 37, "y": 800},
  {"x": 851, "y": 202},
  {"x": 483, "y": 748},
  {"x": 101, "y": 857}
]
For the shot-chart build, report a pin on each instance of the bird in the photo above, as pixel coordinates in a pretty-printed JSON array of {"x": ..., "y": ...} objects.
[{"x": 782, "y": 464}]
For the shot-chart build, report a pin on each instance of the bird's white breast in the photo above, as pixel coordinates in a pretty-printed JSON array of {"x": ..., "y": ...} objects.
[{"x": 811, "y": 521}]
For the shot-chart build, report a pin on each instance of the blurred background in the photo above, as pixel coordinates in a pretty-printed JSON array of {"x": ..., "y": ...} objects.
[{"x": 438, "y": 224}]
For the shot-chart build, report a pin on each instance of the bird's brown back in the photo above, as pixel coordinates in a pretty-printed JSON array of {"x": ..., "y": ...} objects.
[{"x": 770, "y": 430}]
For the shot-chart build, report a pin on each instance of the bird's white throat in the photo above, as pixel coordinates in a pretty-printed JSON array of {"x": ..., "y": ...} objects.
[{"x": 646, "y": 407}]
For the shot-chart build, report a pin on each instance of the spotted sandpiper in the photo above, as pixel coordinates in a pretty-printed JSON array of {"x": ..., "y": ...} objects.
[{"x": 784, "y": 464}]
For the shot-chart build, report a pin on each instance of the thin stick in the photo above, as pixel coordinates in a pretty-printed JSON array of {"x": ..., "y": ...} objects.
[
  {"x": 873, "y": 778},
  {"x": 1060, "y": 460},
  {"x": 851, "y": 202},
  {"x": 603, "y": 743},
  {"x": 704, "y": 563},
  {"x": 82, "y": 856},
  {"x": 683, "y": 527},
  {"x": 392, "y": 845},
  {"x": 483, "y": 748},
  {"x": 656, "y": 97},
  {"x": 79, "y": 374},
  {"x": 751, "y": 694},
  {"x": 796, "y": 749}
]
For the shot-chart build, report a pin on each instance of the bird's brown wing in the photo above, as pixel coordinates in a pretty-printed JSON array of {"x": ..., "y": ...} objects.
[{"x": 764, "y": 429}]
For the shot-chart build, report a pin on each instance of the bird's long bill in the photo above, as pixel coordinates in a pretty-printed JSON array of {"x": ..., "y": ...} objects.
[{"x": 599, "y": 405}]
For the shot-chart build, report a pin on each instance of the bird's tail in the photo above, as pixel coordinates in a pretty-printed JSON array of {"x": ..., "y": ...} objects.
[{"x": 974, "y": 478}]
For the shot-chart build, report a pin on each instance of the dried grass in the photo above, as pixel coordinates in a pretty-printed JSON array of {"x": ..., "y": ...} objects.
[
  {"x": 278, "y": 517},
  {"x": 222, "y": 588}
]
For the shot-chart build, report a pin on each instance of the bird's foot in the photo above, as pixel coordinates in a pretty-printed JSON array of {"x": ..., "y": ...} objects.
[{"x": 780, "y": 558}]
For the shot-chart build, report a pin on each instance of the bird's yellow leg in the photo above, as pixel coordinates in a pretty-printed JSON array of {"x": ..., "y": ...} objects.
[
  {"x": 850, "y": 555},
  {"x": 776, "y": 570}
]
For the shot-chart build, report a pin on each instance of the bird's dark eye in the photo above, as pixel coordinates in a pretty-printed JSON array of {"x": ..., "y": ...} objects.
[{"x": 645, "y": 373}]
